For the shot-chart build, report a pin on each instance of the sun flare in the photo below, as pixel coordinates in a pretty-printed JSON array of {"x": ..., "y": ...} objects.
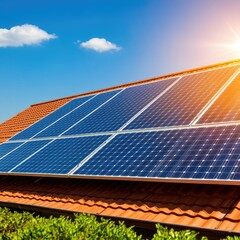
[
  {"x": 235, "y": 47},
  {"x": 231, "y": 45}
]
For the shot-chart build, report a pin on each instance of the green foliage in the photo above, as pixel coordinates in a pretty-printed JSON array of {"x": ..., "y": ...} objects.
[
  {"x": 18, "y": 226},
  {"x": 232, "y": 238},
  {"x": 163, "y": 233}
]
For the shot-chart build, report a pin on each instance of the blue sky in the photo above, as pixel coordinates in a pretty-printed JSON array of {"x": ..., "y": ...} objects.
[{"x": 134, "y": 40}]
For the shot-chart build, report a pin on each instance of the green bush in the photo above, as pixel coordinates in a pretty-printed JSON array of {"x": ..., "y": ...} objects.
[
  {"x": 232, "y": 238},
  {"x": 18, "y": 226},
  {"x": 163, "y": 233}
]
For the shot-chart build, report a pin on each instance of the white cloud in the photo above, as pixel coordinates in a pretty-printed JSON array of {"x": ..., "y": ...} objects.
[
  {"x": 99, "y": 45},
  {"x": 26, "y": 34}
]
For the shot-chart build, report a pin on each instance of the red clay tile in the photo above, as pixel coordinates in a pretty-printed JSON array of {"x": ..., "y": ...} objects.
[{"x": 234, "y": 215}]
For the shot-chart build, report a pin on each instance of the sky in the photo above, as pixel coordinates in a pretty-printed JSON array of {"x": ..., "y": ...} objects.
[{"x": 53, "y": 49}]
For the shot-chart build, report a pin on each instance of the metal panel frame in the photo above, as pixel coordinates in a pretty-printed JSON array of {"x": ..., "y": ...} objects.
[
  {"x": 123, "y": 131},
  {"x": 121, "y": 178}
]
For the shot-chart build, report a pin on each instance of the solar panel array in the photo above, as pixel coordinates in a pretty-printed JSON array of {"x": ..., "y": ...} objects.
[
  {"x": 207, "y": 153},
  {"x": 185, "y": 128}
]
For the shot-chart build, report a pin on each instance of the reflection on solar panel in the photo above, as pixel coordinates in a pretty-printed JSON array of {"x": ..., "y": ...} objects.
[
  {"x": 118, "y": 111},
  {"x": 159, "y": 131},
  {"x": 76, "y": 115},
  {"x": 46, "y": 121},
  {"x": 64, "y": 154},
  {"x": 183, "y": 102},
  {"x": 226, "y": 107},
  {"x": 197, "y": 153}
]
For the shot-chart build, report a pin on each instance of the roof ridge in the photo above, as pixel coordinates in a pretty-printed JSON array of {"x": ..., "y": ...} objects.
[{"x": 176, "y": 74}]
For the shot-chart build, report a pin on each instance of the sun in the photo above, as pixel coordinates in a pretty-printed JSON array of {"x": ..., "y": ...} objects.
[
  {"x": 235, "y": 47},
  {"x": 230, "y": 46}
]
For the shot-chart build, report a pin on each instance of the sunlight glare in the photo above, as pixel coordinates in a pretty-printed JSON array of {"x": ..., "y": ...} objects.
[{"x": 231, "y": 45}]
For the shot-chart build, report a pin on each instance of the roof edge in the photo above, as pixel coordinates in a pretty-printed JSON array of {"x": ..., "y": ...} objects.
[{"x": 176, "y": 74}]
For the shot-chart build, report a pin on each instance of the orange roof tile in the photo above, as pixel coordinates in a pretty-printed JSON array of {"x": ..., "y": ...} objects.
[
  {"x": 204, "y": 206},
  {"x": 178, "y": 205}
]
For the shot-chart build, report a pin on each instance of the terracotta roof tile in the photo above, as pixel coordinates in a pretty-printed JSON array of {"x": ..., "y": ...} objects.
[
  {"x": 163, "y": 208},
  {"x": 234, "y": 215},
  {"x": 226, "y": 225},
  {"x": 113, "y": 212}
]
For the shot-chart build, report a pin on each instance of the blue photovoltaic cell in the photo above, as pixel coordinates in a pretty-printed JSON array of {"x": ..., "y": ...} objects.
[
  {"x": 46, "y": 121},
  {"x": 197, "y": 153},
  {"x": 119, "y": 110},
  {"x": 227, "y": 106},
  {"x": 184, "y": 101},
  {"x": 79, "y": 113},
  {"x": 60, "y": 156},
  {"x": 20, "y": 154},
  {"x": 8, "y": 147}
]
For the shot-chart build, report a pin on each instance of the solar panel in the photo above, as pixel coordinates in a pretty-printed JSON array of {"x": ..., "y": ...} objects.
[
  {"x": 46, "y": 121},
  {"x": 195, "y": 153},
  {"x": 64, "y": 154},
  {"x": 5, "y": 148},
  {"x": 184, "y": 101},
  {"x": 119, "y": 110},
  {"x": 20, "y": 154},
  {"x": 76, "y": 115},
  {"x": 177, "y": 129},
  {"x": 227, "y": 107}
]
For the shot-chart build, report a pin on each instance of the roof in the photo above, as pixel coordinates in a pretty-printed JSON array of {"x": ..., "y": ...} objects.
[{"x": 202, "y": 206}]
